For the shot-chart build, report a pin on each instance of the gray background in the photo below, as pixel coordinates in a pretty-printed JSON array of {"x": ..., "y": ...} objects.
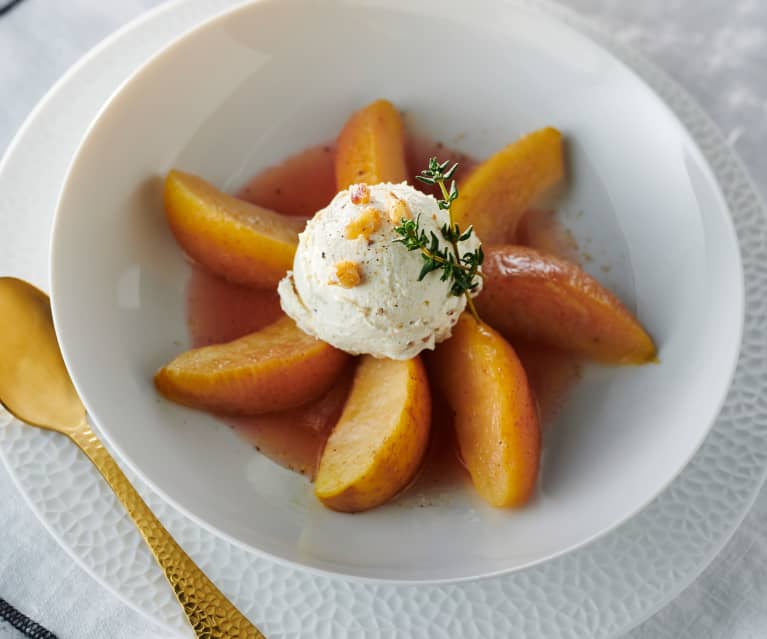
[{"x": 717, "y": 49}]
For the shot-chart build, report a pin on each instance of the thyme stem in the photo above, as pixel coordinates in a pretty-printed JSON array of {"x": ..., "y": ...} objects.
[
  {"x": 454, "y": 243},
  {"x": 460, "y": 270}
]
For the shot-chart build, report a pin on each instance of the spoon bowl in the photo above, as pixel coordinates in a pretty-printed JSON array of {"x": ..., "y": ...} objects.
[{"x": 34, "y": 383}]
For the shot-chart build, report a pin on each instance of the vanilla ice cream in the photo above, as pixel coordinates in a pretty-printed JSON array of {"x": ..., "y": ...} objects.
[{"x": 354, "y": 287}]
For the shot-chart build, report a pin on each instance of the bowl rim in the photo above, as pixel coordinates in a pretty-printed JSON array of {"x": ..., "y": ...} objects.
[{"x": 519, "y": 5}]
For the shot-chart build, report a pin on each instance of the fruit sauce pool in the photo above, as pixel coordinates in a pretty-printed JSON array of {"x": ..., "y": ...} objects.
[{"x": 219, "y": 311}]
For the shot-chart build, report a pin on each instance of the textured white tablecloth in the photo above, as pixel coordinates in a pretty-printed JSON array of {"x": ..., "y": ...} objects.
[{"x": 717, "y": 49}]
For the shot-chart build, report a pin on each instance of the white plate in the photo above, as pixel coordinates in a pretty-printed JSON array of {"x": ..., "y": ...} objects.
[
  {"x": 640, "y": 194},
  {"x": 598, "y": 591}
]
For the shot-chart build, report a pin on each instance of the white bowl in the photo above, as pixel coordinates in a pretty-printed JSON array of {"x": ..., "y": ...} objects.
[{"x": 259, "y": 83}]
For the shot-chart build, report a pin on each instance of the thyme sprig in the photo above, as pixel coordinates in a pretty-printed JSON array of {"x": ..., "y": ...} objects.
[{"x": 461, "y": 271}]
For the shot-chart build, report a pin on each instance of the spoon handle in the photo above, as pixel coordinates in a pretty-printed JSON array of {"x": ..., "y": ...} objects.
[{"x": 210, "y": 613}]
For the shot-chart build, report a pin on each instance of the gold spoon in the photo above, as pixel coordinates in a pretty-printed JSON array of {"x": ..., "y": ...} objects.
[{"x": 35, "y": 387}]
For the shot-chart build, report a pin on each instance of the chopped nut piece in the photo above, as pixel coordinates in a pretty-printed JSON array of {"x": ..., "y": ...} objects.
[
  {"x": 359, "y": 193},
  {"x": 348, "y": 273},
  {"x": 398, "y": 209},
  {"x": 365, "y": 225}
]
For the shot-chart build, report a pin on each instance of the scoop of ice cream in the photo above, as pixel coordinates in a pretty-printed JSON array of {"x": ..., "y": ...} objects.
[{"x": 356, "y": 288}]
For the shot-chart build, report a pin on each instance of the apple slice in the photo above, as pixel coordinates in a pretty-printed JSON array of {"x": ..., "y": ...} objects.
[
  {"x": 239, "y": 241},
  {"x": 496, "y": 424},
  {"x": 538, "y": 297},
  {"x": 277, "y": 368},
  {"x": 371, "y": 147},
  {"x": 377, "y": 445},
  {"x": 497, "y": 192}
]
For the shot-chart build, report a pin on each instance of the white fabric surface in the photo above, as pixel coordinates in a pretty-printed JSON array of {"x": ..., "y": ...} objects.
[
  {"x": 8, "y": 632},
  {"x": 716, "y": 48}
]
